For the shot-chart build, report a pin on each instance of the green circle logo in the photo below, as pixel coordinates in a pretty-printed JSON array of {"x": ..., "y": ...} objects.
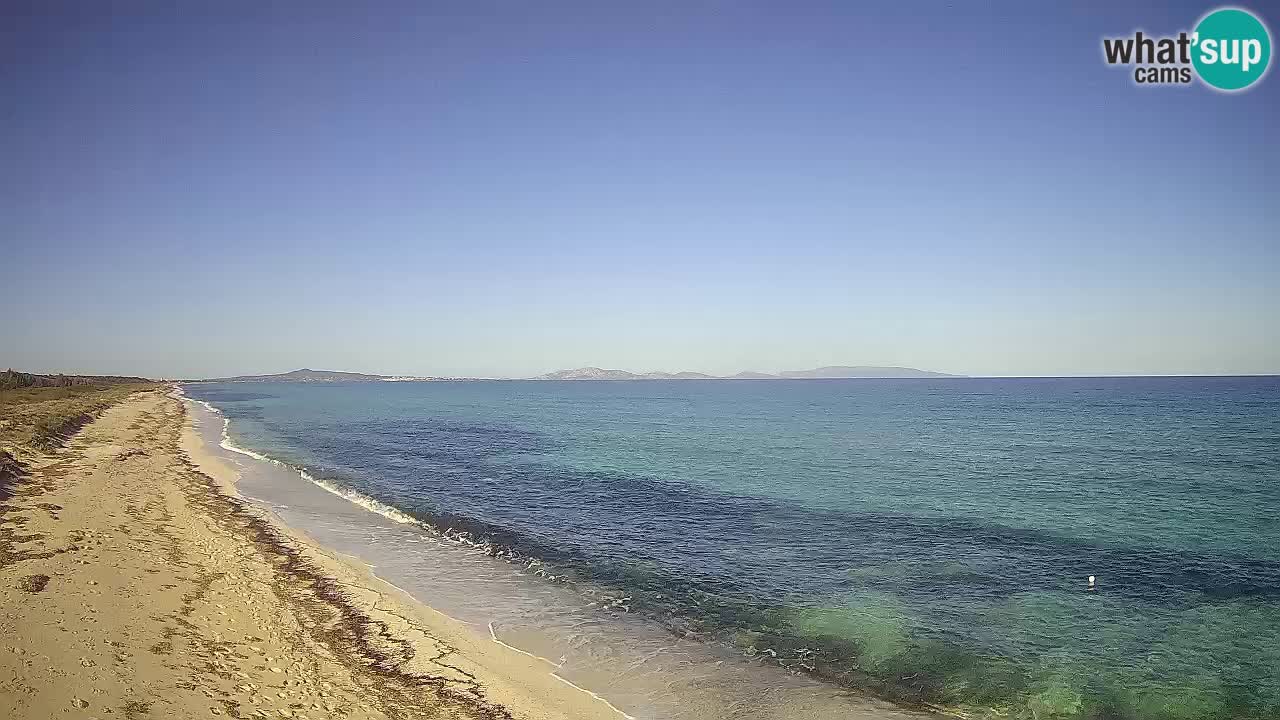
[{"x": 1232, "y": 49}]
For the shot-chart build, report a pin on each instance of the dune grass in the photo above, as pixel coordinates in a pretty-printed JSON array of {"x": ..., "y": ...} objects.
[{"x": 39, "y": 418}]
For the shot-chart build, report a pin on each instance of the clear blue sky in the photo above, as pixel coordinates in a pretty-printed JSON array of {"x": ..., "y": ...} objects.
[{"x": 509, "y": 188}]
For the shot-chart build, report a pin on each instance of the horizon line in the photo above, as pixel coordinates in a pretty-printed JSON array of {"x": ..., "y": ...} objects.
[{"x": 772, "y": 376}]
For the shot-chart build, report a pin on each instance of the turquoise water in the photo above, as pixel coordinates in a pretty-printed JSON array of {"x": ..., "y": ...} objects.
[{"x": 927, "y": 540}]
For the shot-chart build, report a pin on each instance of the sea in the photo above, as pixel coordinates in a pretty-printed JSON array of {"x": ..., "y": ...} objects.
[{"x": 863, "y": 548}]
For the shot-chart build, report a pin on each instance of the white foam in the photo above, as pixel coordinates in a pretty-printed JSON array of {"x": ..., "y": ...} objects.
[
  {"x": 494, "y": 636},
  {"x": 457, "y": 537},
  {"x": 347, "y": 494},
  {"x": 363, "y": 500}
]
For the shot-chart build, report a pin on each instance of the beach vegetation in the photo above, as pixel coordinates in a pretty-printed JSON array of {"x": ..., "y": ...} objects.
[
  {"x": 12, "y": 379},
  {"x": 37, "y": 417}
]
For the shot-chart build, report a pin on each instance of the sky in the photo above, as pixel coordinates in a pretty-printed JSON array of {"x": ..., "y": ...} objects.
[{"x": 502, "y": 189}]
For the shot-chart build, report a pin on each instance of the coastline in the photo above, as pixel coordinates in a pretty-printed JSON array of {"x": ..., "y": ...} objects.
[
  {"x": 504, "y": 565},
  {"x": 498, "y": 677},
  {"x": 136, "y": 582},
  {"x": 151, "y": 567},
  {"x": 645, "y": 672}
]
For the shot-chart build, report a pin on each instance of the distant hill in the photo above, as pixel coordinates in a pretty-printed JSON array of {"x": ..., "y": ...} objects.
[
  {"x": 588, "y": 373},
  {"x": 308, "y": 375},
  {"x": 832, "y": 371},
  {"x": 11, "y": 378},
  {"x": 861, "y": 371},
  {"x": 686, "y": 375},
  {"x": 595, "y": 373}
]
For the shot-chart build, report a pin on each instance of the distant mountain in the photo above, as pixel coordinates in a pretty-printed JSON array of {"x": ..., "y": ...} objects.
[
  {"x": 686, "y": 375},
  {"x": 309, "y": 375},
  {"x": 861, "y": 371},
  {"x": 833, "y": 371},
  {"x": 588, "y": 373},
  {"x": 595, "y": 373},
  {"x": 306, "y": 375}
]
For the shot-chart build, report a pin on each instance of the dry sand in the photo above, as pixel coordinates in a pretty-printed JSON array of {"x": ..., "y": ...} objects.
[{"x": 135, "y": 584}]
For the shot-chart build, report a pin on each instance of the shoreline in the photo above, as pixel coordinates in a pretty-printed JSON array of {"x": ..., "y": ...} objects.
[
  {"x": 793, "y": 695},
  {"x": 403, "y": 620},
  {"x": 136, "y": 582}
]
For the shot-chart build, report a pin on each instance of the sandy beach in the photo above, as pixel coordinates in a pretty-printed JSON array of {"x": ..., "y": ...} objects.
[{"x": 135, "y": 583}]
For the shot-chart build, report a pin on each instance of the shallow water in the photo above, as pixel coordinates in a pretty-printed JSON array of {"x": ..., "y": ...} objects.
[
  {"x": 636, "y": 666},
  {"x": 928, "y": 540}
]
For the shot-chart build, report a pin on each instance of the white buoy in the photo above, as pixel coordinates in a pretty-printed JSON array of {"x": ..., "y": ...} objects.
[{"x": 1091, "y": 582}]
